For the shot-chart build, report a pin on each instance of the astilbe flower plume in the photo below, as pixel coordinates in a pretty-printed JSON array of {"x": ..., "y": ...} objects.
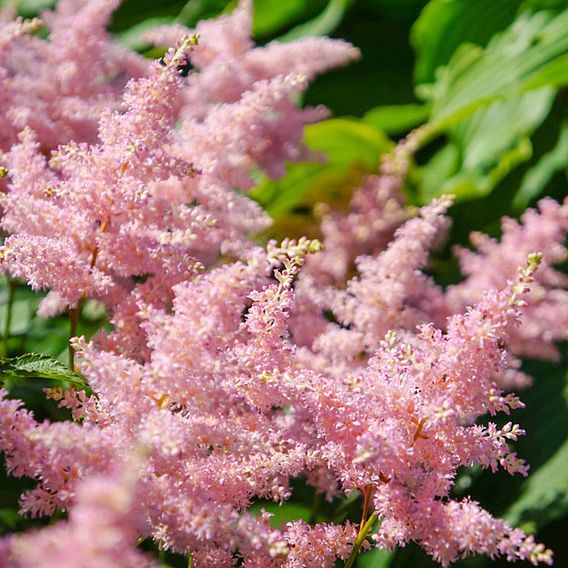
[
  {"x": 148, "y": 200},
  {"x": 355, "y": 282},
  {"x": 546, "y": 315},
  {"x": 375, "y": 211},
  {"x": 209, "y": 409},
  {"x": 229, "y": 64},
  {"x": 44, "y": 83},
  {"x": 208, "y": 421}
]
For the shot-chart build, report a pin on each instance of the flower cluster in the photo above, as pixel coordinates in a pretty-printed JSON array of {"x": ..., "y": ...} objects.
[
  {"x": 231, "y": 368},
  {"x": 43, "y": 82}
]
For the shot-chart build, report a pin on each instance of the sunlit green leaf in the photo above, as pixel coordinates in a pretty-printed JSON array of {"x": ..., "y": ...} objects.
[
  {"x": 376, "y": 558},
  {"x": 445, "y": 24},
  {"x": 545, "y": 494},
  {"x": 352, "y": 149},
  {"x": 271, "y": 16},
  {"x": 397, "y": 119},
  {"x": 32, "y": 7},
  {"x": 511, "y": 63},
  {"x": 283, "y": 513}
]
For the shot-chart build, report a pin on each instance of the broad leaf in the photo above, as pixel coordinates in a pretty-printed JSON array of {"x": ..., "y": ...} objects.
[
  {"x": 350, "y": 149},
  {"x": 323, "y": 24},
  {"x": 545, "y": 495},
  {"x": 269, "y": 16},
  {"x": 537, "y": 178},
  {"x": 397, "y": 119},
  {"x": 29, "y": 8},
  {"x": 445, "y": 24},
  {"x": 487, "y": 146},
  {"x": 133, "y": 36},
  {"x": 512, "y": 63},
  {"x": 375, "y": 558}
]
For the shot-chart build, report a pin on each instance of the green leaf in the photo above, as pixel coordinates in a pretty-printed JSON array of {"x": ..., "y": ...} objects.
[
  {"x": 545, "y": 494},
  {"x": 446, "y": 24},
  {"x": 352, "y": 149},
  {"x": 554, "y": 74},
  {"x": 196, "y": 10},
  {"x": 513, "y": 62},
  {"x": 488, "y": 146},
  {"x": 323, "y": 24},
  {"x": 490, "y": 102},
  {"x": 132, "y": 37},
  {"x": 29, "y": 8},
  {"x": 536, "y": 179},
  {"x": 39, "y": 366},
  {"x": 132, "y": 12},
  {"x": 376, "y": 558},
  {"x": 397, "y": 119},
  {"x": 270, "y": 16},
  {"x": 493, "y": 130},
  {"x": 282, "y": 513}
]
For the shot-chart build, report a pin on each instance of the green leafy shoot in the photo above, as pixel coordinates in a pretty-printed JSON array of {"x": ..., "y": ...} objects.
[{"x": 39, "y": 366}]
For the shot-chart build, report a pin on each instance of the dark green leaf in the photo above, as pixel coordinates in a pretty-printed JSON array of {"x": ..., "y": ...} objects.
[
  {"x": 536, "y": 179},
  {"x": 323, "y": 24}
]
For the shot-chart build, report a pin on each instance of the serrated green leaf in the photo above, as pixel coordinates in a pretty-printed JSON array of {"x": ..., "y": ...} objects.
[{"x": 38, "y": 366}]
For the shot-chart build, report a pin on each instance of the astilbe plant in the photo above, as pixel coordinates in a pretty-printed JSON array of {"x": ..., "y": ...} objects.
[{"x": 231, "y": 368}]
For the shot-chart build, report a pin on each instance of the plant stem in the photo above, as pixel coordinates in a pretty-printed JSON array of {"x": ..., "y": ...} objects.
[
  {"x": 8, "y": 321},
  {"x": 365, "y": 526},
  {"x": 366, "y": 500},
  {"x": 363, "y": 532},
  {"x": 316, "y": 507},
  {"x": 74, "y": 314}
]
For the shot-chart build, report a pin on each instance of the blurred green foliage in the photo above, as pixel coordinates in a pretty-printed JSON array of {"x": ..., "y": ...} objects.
[{"x": 490, "y": 77}]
